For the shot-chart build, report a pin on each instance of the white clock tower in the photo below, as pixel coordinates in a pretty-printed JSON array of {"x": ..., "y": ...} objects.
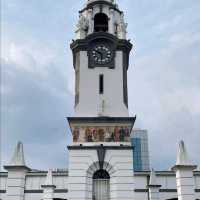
[
  {"x": 101, "y": 59},
  {"x": 100, "y": 157}
]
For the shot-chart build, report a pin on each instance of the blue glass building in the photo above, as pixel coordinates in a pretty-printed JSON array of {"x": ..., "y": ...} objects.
[{"x": 140, "y": 150}]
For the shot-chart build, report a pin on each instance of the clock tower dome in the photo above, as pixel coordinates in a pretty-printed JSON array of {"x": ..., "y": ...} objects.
[{"x": 101, "y": 60}]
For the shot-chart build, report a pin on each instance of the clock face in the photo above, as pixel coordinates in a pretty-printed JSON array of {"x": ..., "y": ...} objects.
[{"x": 102, "y": 54}]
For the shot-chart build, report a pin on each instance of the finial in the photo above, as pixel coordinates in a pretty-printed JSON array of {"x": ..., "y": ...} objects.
[
  {"x": 183, "y": 160},
  {"x": 17, "y": 159},
  {"x": 182, "y": 156},
  {"x": 18, "y": 156}
]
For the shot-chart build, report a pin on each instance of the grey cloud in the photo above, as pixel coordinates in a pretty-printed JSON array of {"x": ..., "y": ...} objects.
[
  {"x": 34, "y": 111},
  {"x": 164, "y": 79},
  {"x": 164, "y": 92}
]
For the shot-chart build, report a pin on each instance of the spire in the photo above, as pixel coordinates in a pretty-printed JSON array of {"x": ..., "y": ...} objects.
[
  {"x": 152, "y": 180},
  {"x": 18, "y": 156},
  {"x": 182, "y": 156},
  {"x": 184, "y": 174},
  {"x": 183, "y": 160}
]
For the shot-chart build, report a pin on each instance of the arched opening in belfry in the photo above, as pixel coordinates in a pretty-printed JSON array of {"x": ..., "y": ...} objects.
[
  {"x": 101, "y": 185},
  {"x": 101, "y": 22}
]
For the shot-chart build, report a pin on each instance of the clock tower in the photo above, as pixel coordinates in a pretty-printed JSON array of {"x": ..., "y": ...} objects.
[
  {"x": 101, "y": 60},
  {"x": 100, "y": 157}
]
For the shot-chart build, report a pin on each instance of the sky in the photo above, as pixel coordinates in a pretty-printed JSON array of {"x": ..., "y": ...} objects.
[{"x": 37, "y": 77}]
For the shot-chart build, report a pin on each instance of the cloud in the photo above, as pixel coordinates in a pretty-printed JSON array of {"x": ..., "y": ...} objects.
[
  {"x": 38, "y": 77},
  {"x": 35, "y": 103},
  {"x": 164, "y": 87}
]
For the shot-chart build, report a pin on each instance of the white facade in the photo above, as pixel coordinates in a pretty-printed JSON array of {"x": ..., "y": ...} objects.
[
  {"x": 87, "y": 79},
  {"x": 34, "y": 180},
  {"x": 100, "y": 168},
  {"x": 82, "y": 165},
  {"x": 90, "y": 101}
]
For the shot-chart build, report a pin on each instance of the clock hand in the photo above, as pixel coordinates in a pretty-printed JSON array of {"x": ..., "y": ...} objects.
[{"x": 101, "y": 55}]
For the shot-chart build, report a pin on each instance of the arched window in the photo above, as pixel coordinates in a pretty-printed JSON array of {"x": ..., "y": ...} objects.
[
  {"x": 101, "y": 185},
  {"x": 101, "y": 22}
]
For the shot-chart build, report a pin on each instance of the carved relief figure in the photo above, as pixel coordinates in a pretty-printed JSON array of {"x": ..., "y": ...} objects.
[
  {"x": 82, "y": 137},
  {"x": 101, "y": 134},
  {"x": 127, "y": 134},
  {"x": 88, "y": 135},
  {"x": 95, "y": 135},
  {"x": 83, "y": 23},
  {"x": 121, "y": 134},
  {"x": 76, "y": 134},
  {"x": 116, "y": 134},
  {"x": 121, "y": 28},
  {"x": 107, "y": 135}
]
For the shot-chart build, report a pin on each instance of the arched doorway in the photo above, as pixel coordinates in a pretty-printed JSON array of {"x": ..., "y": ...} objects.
[
  {"x": 101, "y": 185},
  {"x": 101, "y": 22}
]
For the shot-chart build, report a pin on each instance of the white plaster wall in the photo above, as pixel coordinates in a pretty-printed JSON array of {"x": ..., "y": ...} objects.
[
  {"x": 89, "y": 102},
  {"x": 80, "y": 167},
  {"x": 39, "y": 196},
  {"x": 3, "y": 182},
  {"x": 33, "y": 196},
  {"x": 3, "y": 196},
  {"x": 168, "y": 195},
  {"x": 34, "y": 182},
  {"x": 197, "y": 195},
  {"x": 120, "y": 169},
  {"x": 141, "y": 196},
  {"x": 166, "y": 182},
  {"x": 15, "y": 184},
  {"x": 140, "y": 182},
  {"x": 197, "y": 181}
]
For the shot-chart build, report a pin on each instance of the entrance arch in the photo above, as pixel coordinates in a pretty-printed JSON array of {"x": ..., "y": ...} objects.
[
  {"x": 101, "y": 185},
  {"x": 96, "y": 176}
]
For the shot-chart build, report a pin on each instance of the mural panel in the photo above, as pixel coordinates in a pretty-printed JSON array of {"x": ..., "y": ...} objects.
[{"x": 101, "y": 134}]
